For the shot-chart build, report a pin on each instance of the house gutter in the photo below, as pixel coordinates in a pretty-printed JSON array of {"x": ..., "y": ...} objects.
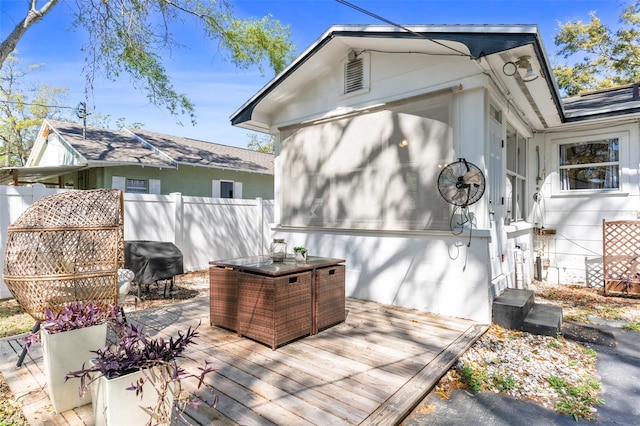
[
  {"x": 127, "y": 163},
  {"x": 225, "y": 168}
]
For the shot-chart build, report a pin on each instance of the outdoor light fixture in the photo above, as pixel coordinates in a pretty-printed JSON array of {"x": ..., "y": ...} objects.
[{"x": 510, "y": 68}]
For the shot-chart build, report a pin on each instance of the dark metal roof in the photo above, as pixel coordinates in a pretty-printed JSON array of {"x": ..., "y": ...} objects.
[{"x": 604, "y": 103}]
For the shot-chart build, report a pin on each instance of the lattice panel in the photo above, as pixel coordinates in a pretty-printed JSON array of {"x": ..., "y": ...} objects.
[
  {"x": 66, "y": 247},
  {"x": 594, "y": 272},
  {"x": 621, "y": 256}
]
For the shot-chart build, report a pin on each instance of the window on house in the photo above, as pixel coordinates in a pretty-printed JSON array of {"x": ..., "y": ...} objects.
[
  {"x": 590, "y": 165},
  {"x": 226, "y": 189},
  {"x": 516, "y": 174},
  {"x": 136, "y": 186}
]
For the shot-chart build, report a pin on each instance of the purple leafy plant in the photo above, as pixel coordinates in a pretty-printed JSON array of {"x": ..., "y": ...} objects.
[
  {"x": 136, "y": 351},
  {"x": 77, "y": 315},
  {"x": 73, "y": 316}
]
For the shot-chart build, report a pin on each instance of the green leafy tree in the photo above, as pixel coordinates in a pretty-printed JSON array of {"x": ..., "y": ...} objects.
[
  {"x": 22, "y": 110},
  {"x": 105, "y": 121},
  {"x": 264, "y": 143},
  {"x": 127, "y": 37},
  {"x": 601, "y": 57}
]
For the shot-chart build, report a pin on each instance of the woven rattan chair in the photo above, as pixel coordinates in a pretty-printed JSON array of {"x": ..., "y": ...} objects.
[{"x": 66, "y": 247}]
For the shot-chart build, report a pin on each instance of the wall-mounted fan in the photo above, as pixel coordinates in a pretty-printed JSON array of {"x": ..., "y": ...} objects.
[{"x": 461, "y": 183}]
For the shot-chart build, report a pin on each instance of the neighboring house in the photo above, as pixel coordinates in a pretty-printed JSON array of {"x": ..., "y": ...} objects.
[
  {"x": 366, "y": 118},
  {"x": 141, "y": 161}
]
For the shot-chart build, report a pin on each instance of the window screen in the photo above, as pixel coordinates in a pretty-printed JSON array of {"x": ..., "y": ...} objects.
[
  {"x": 590, "y": 165},
  {"x": 372, "y": 171}
]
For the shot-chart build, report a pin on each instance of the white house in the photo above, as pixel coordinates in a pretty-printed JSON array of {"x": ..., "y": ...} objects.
[{"x": 367, "y": 117}]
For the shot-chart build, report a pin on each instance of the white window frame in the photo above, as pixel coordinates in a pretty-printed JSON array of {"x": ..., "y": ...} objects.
[
  {"x": 216, "y": 188},
  {"x": 623, "y": 158},
  {"x": 516, "y": 180},
  {"x": 136, "y": 189},
  {"x": 152, "y": 186}
]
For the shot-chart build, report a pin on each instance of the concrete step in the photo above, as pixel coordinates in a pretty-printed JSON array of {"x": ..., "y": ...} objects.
[
  {"x": 511, "y": 308},
  {"x": 543, "y": 319}
]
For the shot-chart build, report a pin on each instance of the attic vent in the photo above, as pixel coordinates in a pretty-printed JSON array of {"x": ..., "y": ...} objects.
[{"x": 353, "y": 75}]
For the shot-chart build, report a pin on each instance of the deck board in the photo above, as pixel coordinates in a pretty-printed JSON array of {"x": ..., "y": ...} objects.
[{"x": 374, "y": 368}]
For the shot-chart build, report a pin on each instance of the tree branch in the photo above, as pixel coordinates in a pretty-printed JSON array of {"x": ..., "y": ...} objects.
[{"x": 9, "y": 44}]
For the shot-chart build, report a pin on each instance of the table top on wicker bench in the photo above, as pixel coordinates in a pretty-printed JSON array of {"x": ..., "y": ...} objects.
[{"x": 264, "y": 264}]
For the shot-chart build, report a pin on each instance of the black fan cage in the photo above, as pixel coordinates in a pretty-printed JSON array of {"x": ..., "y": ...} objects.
[{"x": 461, "y": 183}]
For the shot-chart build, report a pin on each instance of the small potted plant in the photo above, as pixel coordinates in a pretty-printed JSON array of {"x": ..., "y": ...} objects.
[
  {"x": 68, "y": 339},
  {"x": 137, "y": 380},
  {"x": 300, "y": 253}
]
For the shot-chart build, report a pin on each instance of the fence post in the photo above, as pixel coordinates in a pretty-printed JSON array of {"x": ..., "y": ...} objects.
[
  {"x": 259, "y": 220},
  {"x": 37, "y": 192},
  {"x": 178, "y": 219}
]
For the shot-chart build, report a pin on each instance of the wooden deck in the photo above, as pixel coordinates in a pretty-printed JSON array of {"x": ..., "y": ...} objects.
[{"x": 372, "y": 369}]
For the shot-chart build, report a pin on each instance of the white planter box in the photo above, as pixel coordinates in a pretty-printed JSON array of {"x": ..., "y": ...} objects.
[
  {"x": 63, "y": 353},
  {"x": 114, "y": 405}
]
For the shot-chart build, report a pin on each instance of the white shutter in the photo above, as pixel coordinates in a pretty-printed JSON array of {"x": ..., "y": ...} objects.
[
  {"x": 118, "y": 182},
  {"x": 154, "y": 186},
  {"x": 215, "y": 188},
  {"x": 237, "y": 189}
]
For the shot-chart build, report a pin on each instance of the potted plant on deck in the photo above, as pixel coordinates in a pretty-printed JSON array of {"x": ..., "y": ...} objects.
[
  {"x": 68, "y": 339},
  {"x": 137, "y": 380}
]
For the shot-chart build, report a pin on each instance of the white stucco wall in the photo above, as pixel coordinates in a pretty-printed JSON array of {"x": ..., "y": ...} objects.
[
  {"x": 431, "y": 269},
  {"x": 435, "y": 273}
]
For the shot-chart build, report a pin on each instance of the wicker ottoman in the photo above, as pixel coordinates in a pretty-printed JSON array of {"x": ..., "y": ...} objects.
[{"x": 274, "y": 310}]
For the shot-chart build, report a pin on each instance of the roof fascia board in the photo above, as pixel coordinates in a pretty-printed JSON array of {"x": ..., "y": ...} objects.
[
  {"x": 603, "y": 114},
  {"x": 479, "y": 39},
  {"x": 226, "y": 169},
  {"x": 39, "y": 143},
  {"x": 245, "y": 112},
  {"x": 63, "y": 141},
  {"x": 104, "y": 163},
  {"x": 549, "y": 77}
]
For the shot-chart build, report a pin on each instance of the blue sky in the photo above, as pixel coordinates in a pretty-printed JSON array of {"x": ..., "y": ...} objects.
[{"x": 217, "y": 89}]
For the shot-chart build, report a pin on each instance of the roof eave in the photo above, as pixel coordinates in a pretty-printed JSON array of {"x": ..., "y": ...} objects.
[{"x": 481, "y": 40}]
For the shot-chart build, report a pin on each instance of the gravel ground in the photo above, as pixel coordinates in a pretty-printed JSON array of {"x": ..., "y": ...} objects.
[{"x": 520, "y": 364}]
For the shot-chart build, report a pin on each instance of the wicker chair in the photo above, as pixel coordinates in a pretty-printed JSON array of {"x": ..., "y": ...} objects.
[{"x": 66, "y": 247}]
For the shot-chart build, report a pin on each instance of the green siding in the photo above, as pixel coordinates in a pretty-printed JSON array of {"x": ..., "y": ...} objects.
[{"x": 188, "y": 180}]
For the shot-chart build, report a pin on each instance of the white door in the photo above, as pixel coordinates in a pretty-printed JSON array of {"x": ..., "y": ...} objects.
[{"x": 496, "y": 195}]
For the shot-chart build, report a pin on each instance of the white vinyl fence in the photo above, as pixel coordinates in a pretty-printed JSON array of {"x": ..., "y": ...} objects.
[{"x": 204, "y": 229}]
